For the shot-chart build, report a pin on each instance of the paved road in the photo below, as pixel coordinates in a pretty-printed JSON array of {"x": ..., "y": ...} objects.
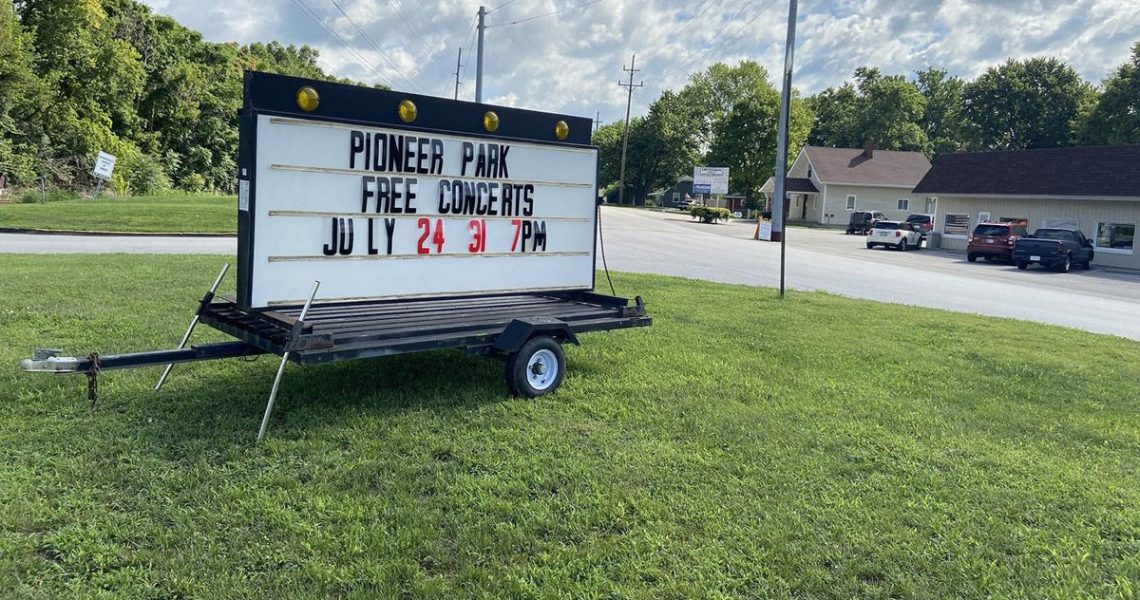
[{"x": 825, "y": 260}]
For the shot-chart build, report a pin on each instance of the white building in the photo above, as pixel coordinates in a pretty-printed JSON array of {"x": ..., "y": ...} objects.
[{"x": 825, "y": 185}]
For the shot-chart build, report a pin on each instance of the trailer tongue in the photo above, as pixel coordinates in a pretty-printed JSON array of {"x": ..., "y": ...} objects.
[{"x": 484, "y": 241}]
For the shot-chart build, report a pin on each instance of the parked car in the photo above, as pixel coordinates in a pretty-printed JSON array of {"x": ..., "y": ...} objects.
[
  {"x": 1056, "y": 248},
  {"x": 924, "y": 223},
  {"x": 862, "y": 221},
  {"x": 899, "y": 235},
  {"x": 994, "y": 240}
]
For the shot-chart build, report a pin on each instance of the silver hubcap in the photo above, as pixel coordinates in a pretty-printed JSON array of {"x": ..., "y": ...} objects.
[{"x": 542, "y": 369}]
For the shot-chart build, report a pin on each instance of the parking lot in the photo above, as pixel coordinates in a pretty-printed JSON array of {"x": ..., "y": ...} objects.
[{"x": 670, "y": 243}]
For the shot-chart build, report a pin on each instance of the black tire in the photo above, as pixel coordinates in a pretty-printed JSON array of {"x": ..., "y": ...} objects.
[
  {"x": 1066, "y": 265},
  {"x": 902, "y": 245},
  {"x": 972, "y": 257},
  {"x": 1022, "y": 265},
  {"x": 870, "y": 246},
  {"x": 1086, "y": 265},
  {"x": 523, "y": 377}
]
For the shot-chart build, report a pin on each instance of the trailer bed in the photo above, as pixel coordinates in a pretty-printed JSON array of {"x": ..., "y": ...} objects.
[{"x": 348, "y": 330}]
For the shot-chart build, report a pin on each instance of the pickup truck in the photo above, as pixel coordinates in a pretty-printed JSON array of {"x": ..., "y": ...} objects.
[{"x": 1056, "y": 248}]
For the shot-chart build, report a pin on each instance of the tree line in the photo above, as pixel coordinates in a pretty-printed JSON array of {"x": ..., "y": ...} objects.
[
  {"x": 726, "y": 116},
  {"x": 80, "y": 76}
]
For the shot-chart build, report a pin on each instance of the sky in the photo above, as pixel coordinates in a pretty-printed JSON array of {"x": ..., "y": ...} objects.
[{"x": 568, "y": 55}]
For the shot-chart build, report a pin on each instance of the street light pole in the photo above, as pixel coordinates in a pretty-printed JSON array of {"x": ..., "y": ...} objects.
[{"x": 779, "y": 205}]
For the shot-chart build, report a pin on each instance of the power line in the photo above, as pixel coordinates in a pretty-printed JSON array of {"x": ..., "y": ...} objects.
[
  {"x": 549, "y": 14},
  {"x": 360, "y": 58},
  {"x": 726, "y": 39},
  {"x": 503, "y": 5},
  {"x": 675, "y": 35},
  {"x": 368, "y": 39},
  {"x": 411, "y": 24}
]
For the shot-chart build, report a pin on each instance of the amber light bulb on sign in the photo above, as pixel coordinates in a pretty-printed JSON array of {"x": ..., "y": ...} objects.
[
  {"x": 407, "y": 111},
  {"x": 490, "y": 121},
  {"x": 561, "y": 130},
  {"x": 308, "y": 99}
]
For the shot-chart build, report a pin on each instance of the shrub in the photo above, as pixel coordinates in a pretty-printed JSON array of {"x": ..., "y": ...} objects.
[
  {"x": 193, "y": 183},
  {"x": 143, "y": 175},
  {"x": 709, "y": 214},
  {"x": 28, "y": 197}
]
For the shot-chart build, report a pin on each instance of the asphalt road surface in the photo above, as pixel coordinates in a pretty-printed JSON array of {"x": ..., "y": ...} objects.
[{"x": 826, "y": 260}]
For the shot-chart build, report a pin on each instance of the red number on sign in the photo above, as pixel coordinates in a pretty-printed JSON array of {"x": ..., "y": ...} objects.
[
  {"x": 478, "y": 229},
  {"x": 437, "y": 239},
  {"x": 518, "y": 228},
  {"x": 425, "y": 224}
]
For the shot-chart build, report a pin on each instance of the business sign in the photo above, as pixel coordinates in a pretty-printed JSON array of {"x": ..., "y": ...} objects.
[
  {"x": 387, "y": 211},
  {"x": 712, "y": 179},
  {"x": 104, "y": 165}
]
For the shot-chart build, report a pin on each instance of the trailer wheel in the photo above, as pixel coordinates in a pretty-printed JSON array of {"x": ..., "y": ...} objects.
[{"x": 537, "y": 368}]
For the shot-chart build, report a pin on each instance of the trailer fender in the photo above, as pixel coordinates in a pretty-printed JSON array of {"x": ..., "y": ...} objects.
[{"x": 520, "y": 330}]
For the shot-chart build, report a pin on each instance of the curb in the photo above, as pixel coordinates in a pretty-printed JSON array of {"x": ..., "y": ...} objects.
[{"x": 26, "y": 230}]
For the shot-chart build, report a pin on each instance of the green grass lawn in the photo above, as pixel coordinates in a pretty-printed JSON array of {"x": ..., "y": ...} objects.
[
  {"x": 740, "y": 447},
  {"x": 142, "y": 214}
]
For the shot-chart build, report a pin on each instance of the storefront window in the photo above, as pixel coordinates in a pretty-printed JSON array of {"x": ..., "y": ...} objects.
[{"x": 1115, "y": 237}]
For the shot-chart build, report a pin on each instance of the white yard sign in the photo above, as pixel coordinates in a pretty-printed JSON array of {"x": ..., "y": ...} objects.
[
  {"x": 104, "y": 165},
  {"x": 710, "y": 180},
  {"x": 373, "y": 212}
]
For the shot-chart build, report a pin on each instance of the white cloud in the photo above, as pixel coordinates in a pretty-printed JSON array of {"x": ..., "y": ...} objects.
[{"x": 572, "y": 61}]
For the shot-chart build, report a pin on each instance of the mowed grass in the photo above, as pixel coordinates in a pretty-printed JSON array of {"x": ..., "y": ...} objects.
[
  {"x": 740, "y": 447},
  {"x": 141, "y": 214}
]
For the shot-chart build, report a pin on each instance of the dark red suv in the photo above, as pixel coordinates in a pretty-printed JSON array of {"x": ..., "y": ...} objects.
[{"x": 994, "y": 240}]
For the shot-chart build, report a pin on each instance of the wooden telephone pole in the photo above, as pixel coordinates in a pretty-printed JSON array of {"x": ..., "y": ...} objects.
[{"x": 625, "y": 138}]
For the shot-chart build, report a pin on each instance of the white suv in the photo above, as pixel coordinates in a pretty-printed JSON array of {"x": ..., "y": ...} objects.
[{"x": 899, "y": 235}]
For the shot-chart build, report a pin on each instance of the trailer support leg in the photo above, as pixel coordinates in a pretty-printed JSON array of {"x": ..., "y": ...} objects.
[
  {"x": 284, "y": 359},
  {"x": 194, "y": 322}
]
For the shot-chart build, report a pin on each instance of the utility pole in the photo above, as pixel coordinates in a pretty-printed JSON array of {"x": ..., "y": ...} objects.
[
  {"x": 597, "y": 120},
  {"x": 458, "y": 64},
  {"x": 779, "y": 207},
  {"x": 479, "y": 58},
  {"x": 625, "y": 141}
]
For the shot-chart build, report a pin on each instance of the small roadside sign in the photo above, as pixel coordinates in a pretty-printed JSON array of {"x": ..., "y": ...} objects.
[
  {"x": 104, "y": 165},
  {"x": 713, "y": 179}
]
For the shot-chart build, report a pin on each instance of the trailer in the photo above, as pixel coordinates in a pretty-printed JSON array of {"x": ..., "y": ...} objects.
[{"x": 373, "y": 223}]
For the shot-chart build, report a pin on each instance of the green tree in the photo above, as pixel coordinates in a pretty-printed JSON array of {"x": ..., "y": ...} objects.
[
  {"x": 1033, "y": 103},
  {"x": 717, "y": 89},
  {"x": 21, "y": 96},
  {"x": 608, "y": 139},
  {"x": 1116, "y": 117},
  {"x": 663, "y": 146},
  {"x": 885, "y": 108},
  {"x": 888, "y": 111},
  {"x": 835, "y": 111},
  {"x": 745, "y": 140},
  {"x": 942, "y": 120}
]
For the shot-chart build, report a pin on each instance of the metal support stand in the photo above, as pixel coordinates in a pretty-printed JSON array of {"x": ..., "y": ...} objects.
[
  {"x": 98, "y": 186},
  {"x": 284, "y": 359},
  {"x": 194, "y": 322}
]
